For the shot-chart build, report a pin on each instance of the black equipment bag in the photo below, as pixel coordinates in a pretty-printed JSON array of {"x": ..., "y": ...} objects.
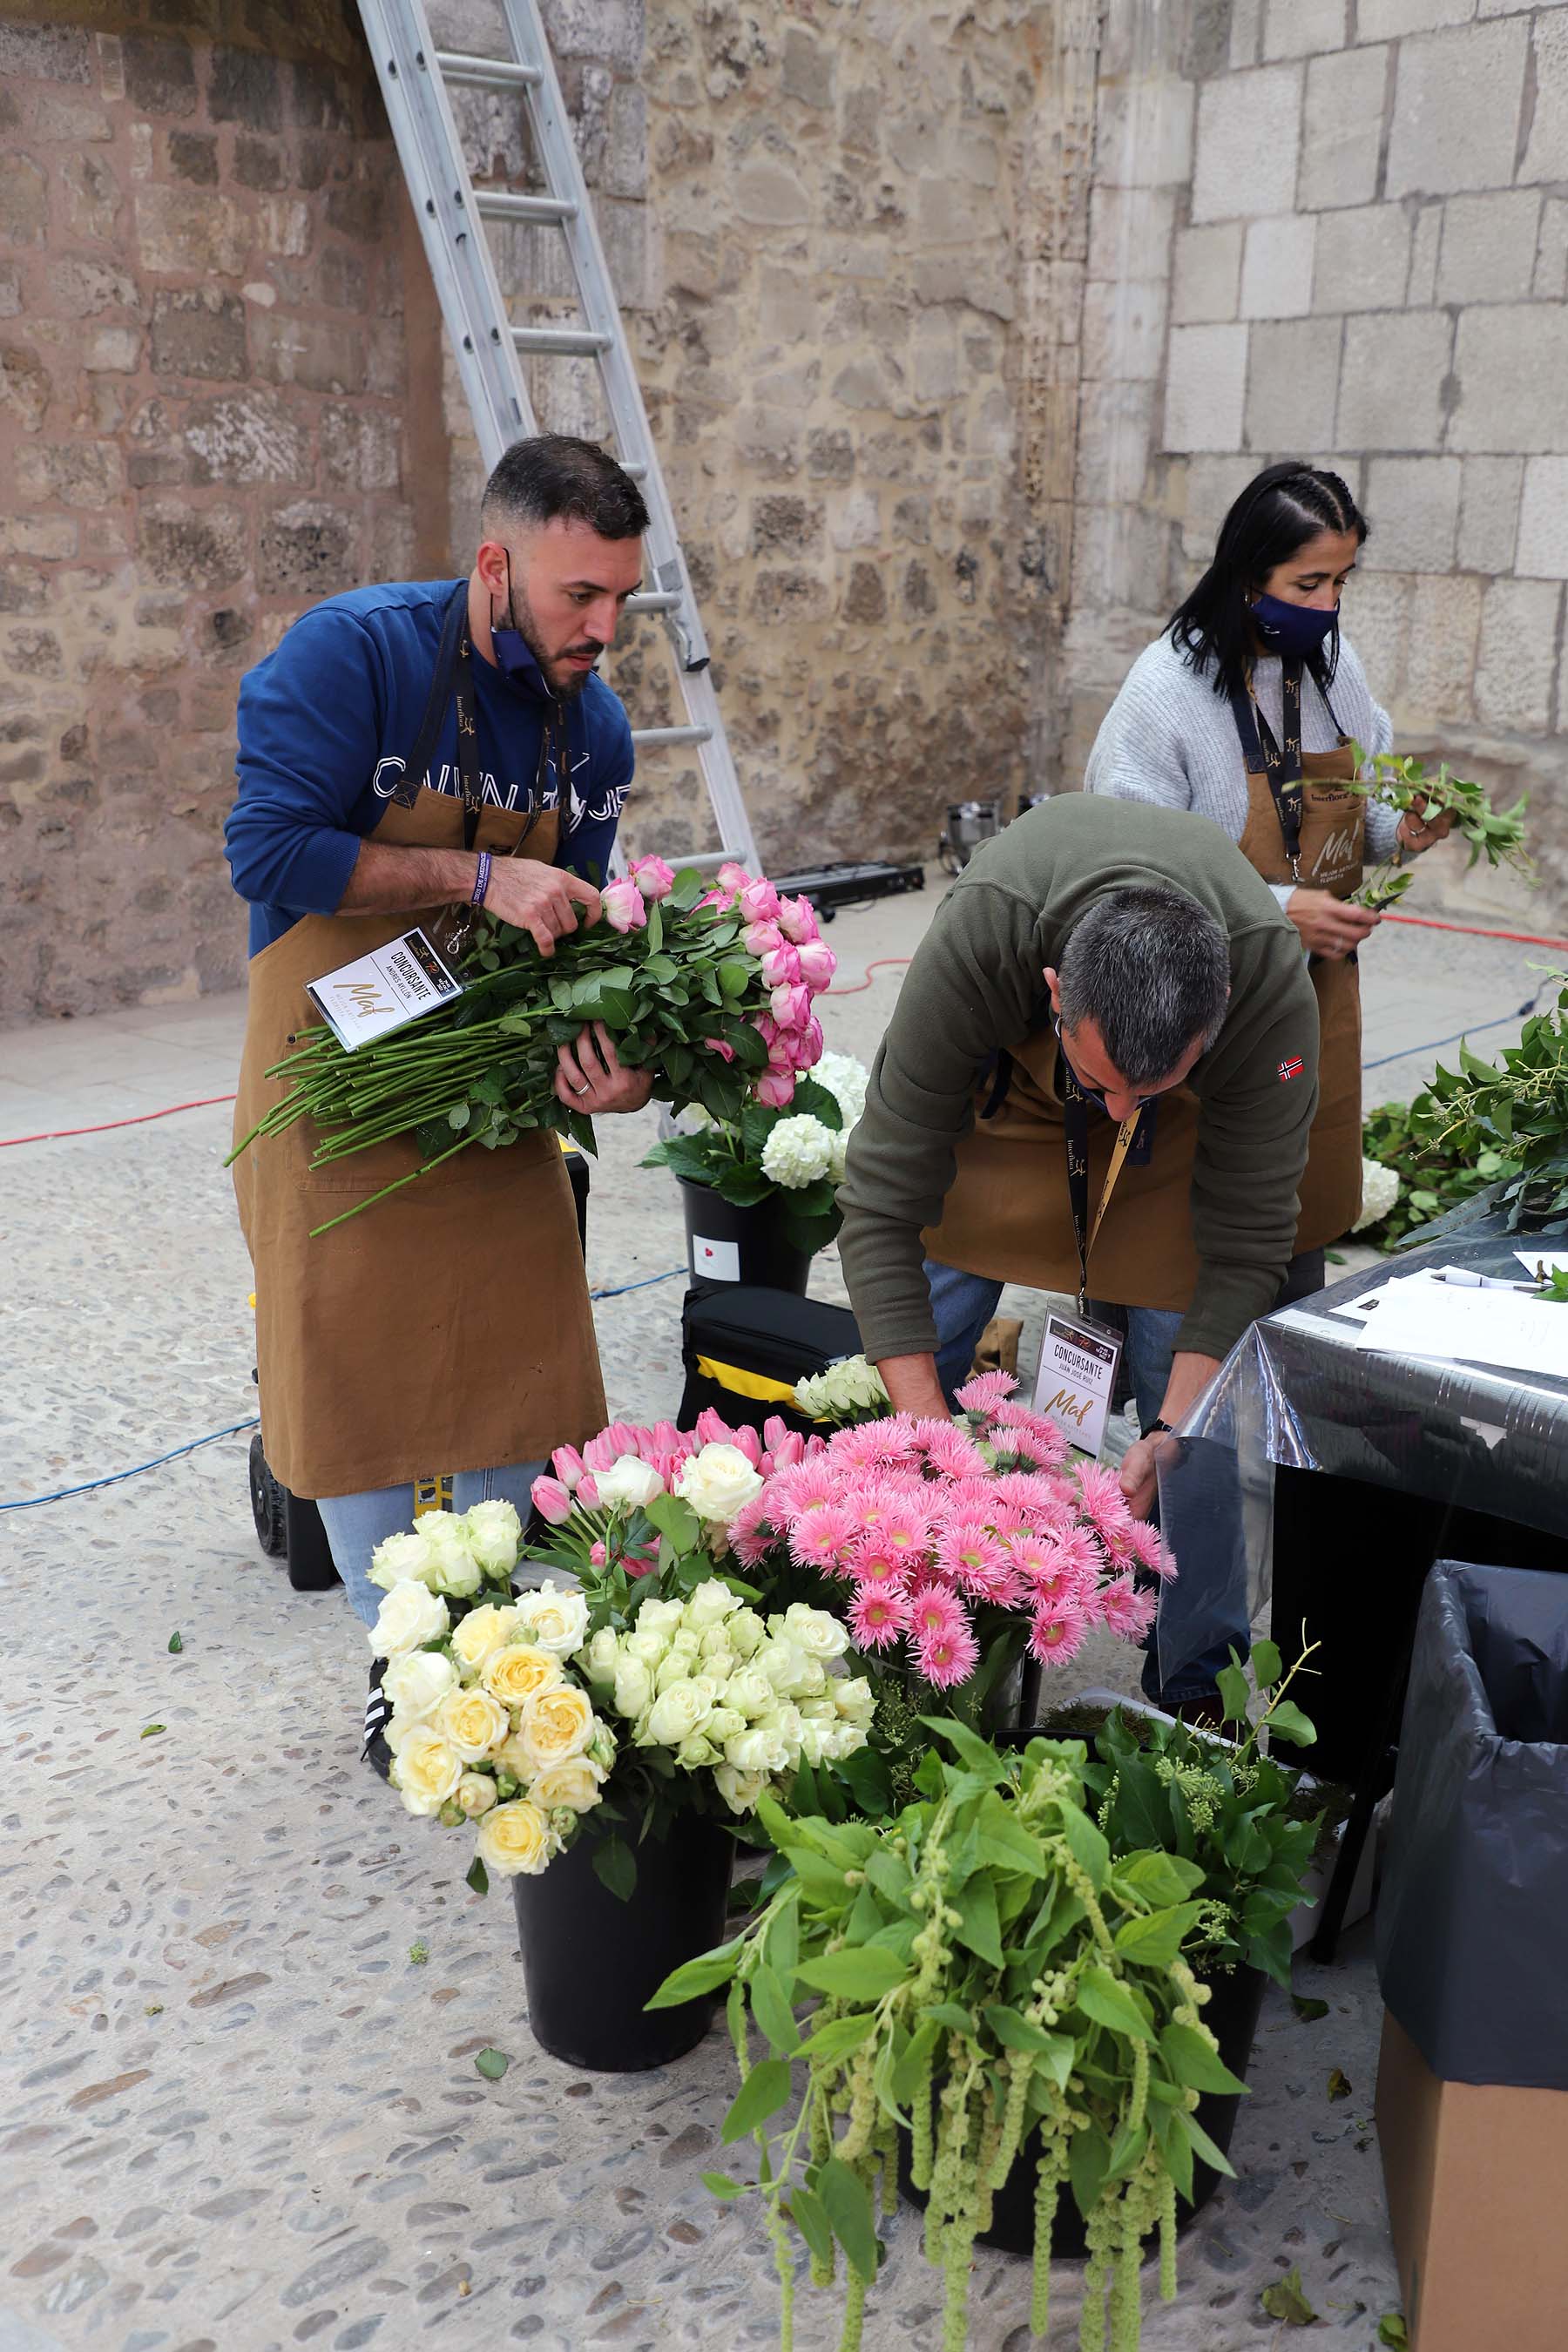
[{"x": 743, "y": 1348}]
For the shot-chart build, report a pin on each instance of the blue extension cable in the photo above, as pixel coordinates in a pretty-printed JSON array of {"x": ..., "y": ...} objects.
[{"x": 89, "y": 1485}]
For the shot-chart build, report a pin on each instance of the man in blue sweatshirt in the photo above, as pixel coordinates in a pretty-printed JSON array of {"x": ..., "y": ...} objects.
[{"x": 408, "y": 750}]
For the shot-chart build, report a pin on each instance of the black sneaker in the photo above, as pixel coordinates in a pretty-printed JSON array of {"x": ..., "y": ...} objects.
[{"x": 377, "y": 1715}]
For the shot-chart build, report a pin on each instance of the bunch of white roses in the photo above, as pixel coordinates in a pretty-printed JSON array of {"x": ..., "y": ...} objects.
[
  {"x": 451, "y": 1552},
  {"x": 487, "y": 1725},
  {"x": 723, "y": 1689},
  {"x": 845, "y": 1391}
]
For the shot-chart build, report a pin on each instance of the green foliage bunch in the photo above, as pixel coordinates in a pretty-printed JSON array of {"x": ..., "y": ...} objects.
[
  {"x": 989, "y": 1976},
  {"x": 1496, "y": 834},
  {"x": 1515, "y": 1108},
  {"x": 1435, "y": 1176},
  {"x": 1222, "y": 1805}
]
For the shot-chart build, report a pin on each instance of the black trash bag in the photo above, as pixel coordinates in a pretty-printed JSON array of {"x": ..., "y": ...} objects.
[{"x": 1473, "y": 1921}]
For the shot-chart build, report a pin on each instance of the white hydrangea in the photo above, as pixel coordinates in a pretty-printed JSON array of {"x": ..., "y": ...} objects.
[
  {"x": 846, "y": 1080},
  {"x": 844, "y": 1392},
  {"x": 797, "y": 1152},
  {"x": 1379, "y": 1192}
]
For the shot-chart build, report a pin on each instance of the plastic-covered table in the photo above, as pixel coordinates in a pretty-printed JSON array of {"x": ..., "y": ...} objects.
[{"x": 1321, "y": 1480}]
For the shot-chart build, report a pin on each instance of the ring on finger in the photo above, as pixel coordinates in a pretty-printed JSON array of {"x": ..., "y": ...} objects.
[{"x": 579, "y": 1090}]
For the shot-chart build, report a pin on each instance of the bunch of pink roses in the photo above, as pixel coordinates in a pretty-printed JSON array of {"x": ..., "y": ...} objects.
[
  {"x": 589, "y": 1495},
  {"x": 784, "y": 937}
]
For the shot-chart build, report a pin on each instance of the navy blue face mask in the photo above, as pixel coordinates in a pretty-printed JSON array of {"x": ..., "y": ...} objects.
[
  {"x": 1292, "y": 630},
  {"x": 514, "y": 655}
]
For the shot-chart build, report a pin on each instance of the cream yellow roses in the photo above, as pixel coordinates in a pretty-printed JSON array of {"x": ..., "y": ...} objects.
[
  {"x": 425, "y": 1770},
  {"x": 556, "y": 1726},
  {"x": 518, "y": 1671},
  {"x": 516, "y": 1840}
]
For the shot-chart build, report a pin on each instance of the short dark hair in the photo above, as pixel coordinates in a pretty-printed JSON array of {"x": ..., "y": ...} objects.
[
  {"x": 1280, "y": 510},
  {"x": 554, "y": 475},
  {"x": 1151, "y": 969}
]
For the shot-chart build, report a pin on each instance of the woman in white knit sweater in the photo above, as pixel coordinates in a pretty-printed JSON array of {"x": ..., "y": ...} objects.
[{"x": 1243, "y": 710}]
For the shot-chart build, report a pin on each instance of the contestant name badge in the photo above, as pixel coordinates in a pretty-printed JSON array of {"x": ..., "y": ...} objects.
[
  {"x": 1077, "y": 1376},
  {"x": 385, "y": 990}
]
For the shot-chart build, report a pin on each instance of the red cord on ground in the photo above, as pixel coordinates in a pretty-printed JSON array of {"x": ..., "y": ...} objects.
[
  {"x": 139, "y": 1118},
  {"x": 1475, "y": 931},
  {"x": 860, "y": 986}
]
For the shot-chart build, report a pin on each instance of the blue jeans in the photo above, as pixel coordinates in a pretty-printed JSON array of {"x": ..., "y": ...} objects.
[
  {"x": 962, "y": 1304},
  {"x": 355, "y": 1524}
]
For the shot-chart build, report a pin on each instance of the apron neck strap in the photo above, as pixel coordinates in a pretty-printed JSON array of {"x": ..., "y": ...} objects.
[
  {"x": 453, "y": 639},
  {"x": 1281, "y": 762}
]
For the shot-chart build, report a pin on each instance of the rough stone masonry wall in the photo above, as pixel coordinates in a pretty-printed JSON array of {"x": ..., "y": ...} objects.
[
  {"x": 203, "y": 386},
  {"x": 829, "y": 356},
  {"x": 1339, "y": 229}
]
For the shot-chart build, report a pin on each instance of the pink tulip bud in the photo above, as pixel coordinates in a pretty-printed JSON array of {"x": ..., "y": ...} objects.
[
  {"x": 817, "y": 965},
  {"x": 666, "y": 1437},
  {"x": 623, "y": 1436},
  {"x": 623, "y": 907},
  {"x": 588, "y": 1491},
  {"x": 775, "y": 1090},
  {"x": 552, "y": 1500},
  {"x": 749, "y": 1443},
  {"x": 653, "y": 878},
  {"x": 598, "y": 1453},
  {"x": 789, "y": 1450},
  {"x": 791, "y": 1007},
  {"x": 713, "y": 1429},
  {"x": 759, "y": 901},
  {"x": 597, "y": 1554},
  {"x": 717, "y": 1045},
  {"x": 796, "y": 921},
  {"x": 567, "y": 1465}
]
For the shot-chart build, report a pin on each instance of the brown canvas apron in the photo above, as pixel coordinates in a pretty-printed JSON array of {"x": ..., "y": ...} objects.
[
  {"x": 447, "y": 1328},
  {"x": 1007, "y": 1215}
]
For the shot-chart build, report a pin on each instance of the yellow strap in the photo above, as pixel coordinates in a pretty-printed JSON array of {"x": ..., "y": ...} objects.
[
  {"x": 746, "y": 1384},
  {"x": 1124, "y": 1135}
]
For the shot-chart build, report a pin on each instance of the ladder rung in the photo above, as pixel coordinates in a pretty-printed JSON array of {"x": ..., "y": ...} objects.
[
  {"x": 487, "y": 73},
  {"x": 652, "y": 600},
  {"x": 496, "y": 204},
  {"x": 644, "y": 736},
  {"x": 706, "y": 857},
  {"x": 561, "y": 340},
  {"x": 638, "y": 472}
]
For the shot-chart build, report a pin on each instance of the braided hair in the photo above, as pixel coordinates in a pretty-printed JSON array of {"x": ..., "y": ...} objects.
[{"x": 1277, "y": 512}]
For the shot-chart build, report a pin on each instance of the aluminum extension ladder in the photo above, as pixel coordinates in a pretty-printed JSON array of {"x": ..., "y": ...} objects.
[{"x": 414, "y": 77}]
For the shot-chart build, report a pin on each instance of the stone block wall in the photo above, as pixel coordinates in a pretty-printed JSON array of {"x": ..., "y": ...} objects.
[
  {"x": 1350, "y": 244},
  {"x": 203, "y": 393},
  {"x": 830, "y": 356}
]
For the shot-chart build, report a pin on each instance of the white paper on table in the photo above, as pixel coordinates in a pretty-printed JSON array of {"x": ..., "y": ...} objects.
[
  {"x": 1477, "y": 1327},
  {"x": 1360, "y": 1309},
  {"x": 1550, "y": 1259}
]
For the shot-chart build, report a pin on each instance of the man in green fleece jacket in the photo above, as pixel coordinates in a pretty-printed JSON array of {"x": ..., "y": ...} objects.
[{"x": 1187, "y": 990}]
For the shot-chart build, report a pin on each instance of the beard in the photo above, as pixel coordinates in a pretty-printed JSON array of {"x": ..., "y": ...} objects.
[{"x": 566, "y": 684}]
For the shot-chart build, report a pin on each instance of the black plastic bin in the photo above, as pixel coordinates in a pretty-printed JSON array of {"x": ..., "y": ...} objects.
[{"x": 1473, "y": 1921}]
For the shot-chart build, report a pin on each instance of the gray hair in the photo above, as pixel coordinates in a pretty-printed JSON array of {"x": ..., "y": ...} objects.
[{"x": 1152, "y": 970}]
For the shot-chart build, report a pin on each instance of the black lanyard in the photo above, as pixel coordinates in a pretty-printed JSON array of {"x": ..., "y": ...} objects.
[
  {"x": 1282, "y": 763},
  {"x": 453, "y": 682},
  {"x": 1075, "y": 1126}
]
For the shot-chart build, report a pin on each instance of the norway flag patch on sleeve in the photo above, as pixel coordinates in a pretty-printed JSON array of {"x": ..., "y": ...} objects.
[{"x": 1290, "y": 1069}]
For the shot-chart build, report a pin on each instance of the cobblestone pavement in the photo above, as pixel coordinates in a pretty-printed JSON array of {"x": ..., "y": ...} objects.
[{"x": 236, "y": 2114}]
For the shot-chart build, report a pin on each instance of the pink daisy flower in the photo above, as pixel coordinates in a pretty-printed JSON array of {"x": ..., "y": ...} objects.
[
  {"x": 1103, "y": 1504},
  {"x": 751, "y": 1535},
  {"x": 1044, "y": 1500},
  {"x": 887, "y": 1445},
  {"x": 873, "y": 1561},
  {"x": 1150, "y": 1549},
  {"x": 945, "y": 1659},
  {"x": 878, "y": 1618},
  {"x": 949, "y": 1451},
  {"x": 985, "y": 1392},
  {"x": 1046, "y": 1442},
  {"x": 934, "y": 1609},
  {"x": 1125, "y": 1610},
  {"x": 968, "y": 1552},
  {"x": 807, "y": 1487},
  {"x": 1056, "y": 1632},
  {"x": 821, "y": 1538}
]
